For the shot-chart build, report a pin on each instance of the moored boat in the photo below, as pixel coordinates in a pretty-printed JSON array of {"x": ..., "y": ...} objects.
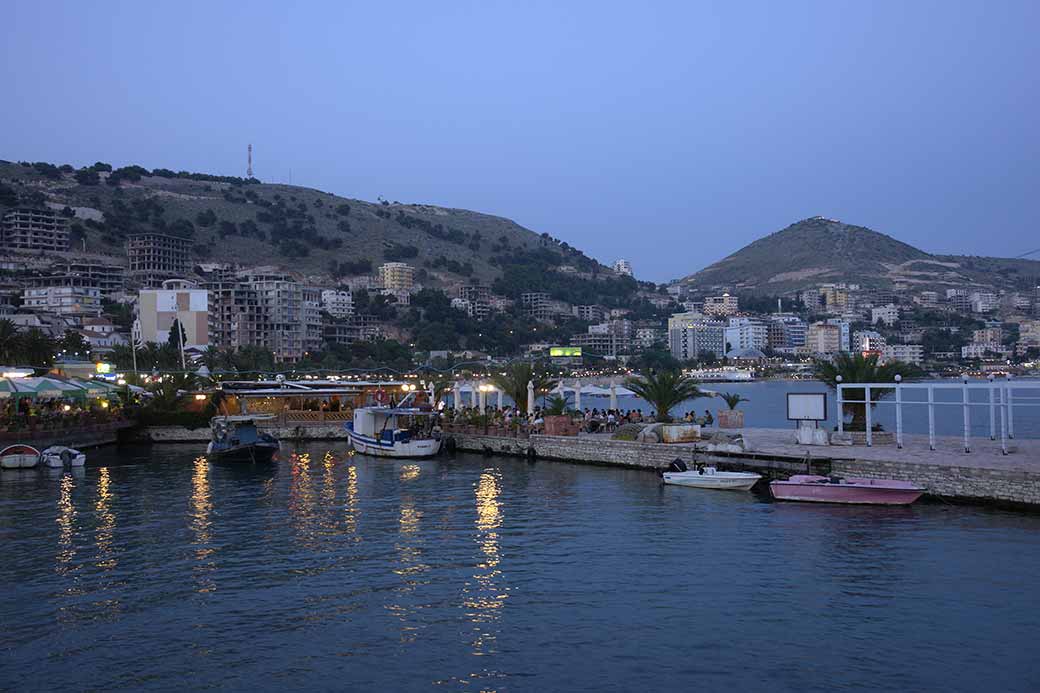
[
  {"x": 709, "y": 478},
  {"x": 237, "y": 439},
  {"x": 19, "y": 457},
  {"x": 852, "y": 490},
  {"x": 398, "y": 431},
  {"x": 59, "y": 456}
]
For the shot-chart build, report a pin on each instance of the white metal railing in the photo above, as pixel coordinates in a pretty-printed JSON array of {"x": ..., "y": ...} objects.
[{"x": 1001, "y": 403}]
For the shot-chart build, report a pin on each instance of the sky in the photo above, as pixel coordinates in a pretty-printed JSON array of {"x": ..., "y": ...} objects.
[{"x": 670, "y": 134}]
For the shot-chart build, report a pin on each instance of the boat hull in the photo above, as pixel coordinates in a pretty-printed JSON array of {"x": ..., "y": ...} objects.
[
  {"x": 243, "y": 453},
  {"x": 19, "y": 457},
  {"x": 721, "y": 481},
  {"x": 426, "y": 447},
  {"x": 812, "y": 489}
]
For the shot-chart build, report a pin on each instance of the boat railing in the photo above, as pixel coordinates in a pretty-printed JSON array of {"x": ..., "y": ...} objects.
[{"x": 1001, "y": 398}]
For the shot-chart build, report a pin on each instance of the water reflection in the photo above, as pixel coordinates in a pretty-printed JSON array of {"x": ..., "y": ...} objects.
[
  {"x": 201, "y": 525},
  {"x": 486, "y": 597},
  {"x": 302, "y": 497},
  {"x": 106, "y": 522},
  {"x": 66, "y": 526},
  {"x": 350, "y": 509},
  {"x": 410, "y": 566}
]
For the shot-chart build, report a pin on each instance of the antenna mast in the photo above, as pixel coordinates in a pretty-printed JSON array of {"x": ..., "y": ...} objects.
[{"x": 249, "y": 165}]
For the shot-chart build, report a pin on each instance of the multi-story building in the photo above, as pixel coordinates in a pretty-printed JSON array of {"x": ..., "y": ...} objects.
[
  {"x": 67, "y": 295},
  {"x": 397, "y": 276},
  {"x": 980, "y": 351},
  {"x": 357, "y": 328},
  {"x": 236, "y": 318},
  {"x": 537, "y": 304},
  {"x": 868, "y": 340},
  {"x": 835, "y": 298},
  {"x": 292, "y": 315},
  {"x": 157, "y": 309},
  {"x": 721, "y": 306},
  {"x": 745, "y": 334},
  {"x": 589, "y": 313},
  {"x": 907, "y": 353},
  {"x": 646, "y": 337},
  {"x": 479, "y": 299},
  {"x": 35, "y": 229},
  {"x": 928, "y": 299},
  {"x": 983, "y": 301},
  {"x": 109, "y": 278},
  {"x": 823, "y": 339},
  {"x": 844, "y": 333},
  {"x": 691, "y": 336},
  {"x": 785, "y": 333},
  {"x": 987, "y": 335},
  {"x": 811, "y": 299},
  {"x": 887, "y": 314},
  {"x": 623, "y": 267},
  {"x": 337, "y": 303},
  {"x": 156, "y": 257}
]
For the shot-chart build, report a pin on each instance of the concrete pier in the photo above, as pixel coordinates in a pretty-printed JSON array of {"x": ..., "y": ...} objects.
[{"x": 984, "y": 476}]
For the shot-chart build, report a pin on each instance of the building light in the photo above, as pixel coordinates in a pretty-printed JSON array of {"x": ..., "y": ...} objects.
[{"x": 200, "y": 396}]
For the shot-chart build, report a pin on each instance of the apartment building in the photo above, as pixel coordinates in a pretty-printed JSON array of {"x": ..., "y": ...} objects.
[
  {"x": 63, "y": 295},
  {"x": 156, "y": 257},
  {"x": 397, "y": 276},
  {"x": 721, "y": 306},
  {"x": 157, "y": 309},
  {"x": 292, "y": 315},
  {"x": 887, "y": 314},
  {"x": 236, "y": 318},
  {"x": 907, "y": 353},
  {"x": 337, "y": 303},
  {"x": 823, "y": 338},
  {"x": 109, "y": 278},
  {"x": 35, "y": 229}
]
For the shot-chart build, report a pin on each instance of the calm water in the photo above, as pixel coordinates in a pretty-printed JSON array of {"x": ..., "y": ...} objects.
[{"x": 156, "y": 570}]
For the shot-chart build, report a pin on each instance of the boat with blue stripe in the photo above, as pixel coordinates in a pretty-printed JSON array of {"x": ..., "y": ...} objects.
[{"x": 395, "y": 431}]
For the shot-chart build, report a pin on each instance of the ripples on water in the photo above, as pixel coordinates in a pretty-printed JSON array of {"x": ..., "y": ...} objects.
[{"x": 157, "y": 569}]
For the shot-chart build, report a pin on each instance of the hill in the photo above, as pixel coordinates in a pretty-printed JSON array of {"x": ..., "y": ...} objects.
[
  {"x": 315, "y": 234},
  {"x": 818, "y": 250}
]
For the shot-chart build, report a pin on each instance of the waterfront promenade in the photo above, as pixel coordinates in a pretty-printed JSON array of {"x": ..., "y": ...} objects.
[{"x": 985, "y": 475}]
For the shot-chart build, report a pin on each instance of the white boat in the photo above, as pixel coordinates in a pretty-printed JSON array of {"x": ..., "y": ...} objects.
[
  {"x": 709, "y": 477},
  {"x": 19, "y": 457},
  {"x": 59, "y": 456},
  {"x": 399, "y": 431}
]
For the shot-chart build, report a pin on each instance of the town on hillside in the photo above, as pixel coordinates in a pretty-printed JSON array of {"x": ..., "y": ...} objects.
[{"x": 89, "y": 303}]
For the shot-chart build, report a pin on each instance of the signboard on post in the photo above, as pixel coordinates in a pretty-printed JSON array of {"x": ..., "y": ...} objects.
[
  {"x": 565, "y": 352},
  {"x": 806, "y": 406}
]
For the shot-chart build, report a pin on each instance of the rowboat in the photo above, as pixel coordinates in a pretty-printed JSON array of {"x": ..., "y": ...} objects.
[
  {"x": 851, "y": 490},
  {"x": 19, "y": 457},
  {"x": 711, "y": 478}
]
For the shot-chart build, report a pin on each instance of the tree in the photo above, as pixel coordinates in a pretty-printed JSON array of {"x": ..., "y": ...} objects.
[
  {"x": 732, "y": 399},
  {"x": 515, "y": 379},
  {"x": 857, "y": 368},
  {"x": 37, "y": 349},
  {"x": 178, "y": 336},
  {"x": 74, "y": 343},
  {"x": 665, "y": 390},
  {"x": 9, "y": 342}
]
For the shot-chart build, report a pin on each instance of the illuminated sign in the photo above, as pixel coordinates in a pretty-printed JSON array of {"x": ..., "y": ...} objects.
[
  {"x": 102, "y": 367},
  {"x": 564, "y": 351}
]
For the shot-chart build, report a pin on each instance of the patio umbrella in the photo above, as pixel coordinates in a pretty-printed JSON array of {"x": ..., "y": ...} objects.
[{"x": 613, "y": 394}]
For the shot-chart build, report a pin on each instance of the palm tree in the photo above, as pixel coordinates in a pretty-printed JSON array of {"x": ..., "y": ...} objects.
[
  {"x": 732, "y": 399},
  {"x": 515, "y": 379},
  {"x": 857, "y": 368},
  {"x": 37, "y": 348},
  {"x": 665, "y": 390},
  {"x": 169, "y": 392},
  {"x": 8, "y": 342}
]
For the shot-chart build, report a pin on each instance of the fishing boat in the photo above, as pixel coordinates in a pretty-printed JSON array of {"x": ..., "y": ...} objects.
[
  {"x": 394, "y": 431},
  {"x": 57, "y": 456},
  {"x": 19, "y": 457},
  {"x": 237, "y": 439},
  {"x": 709, "y": 477},
  {"x": 830, "y": 489}
]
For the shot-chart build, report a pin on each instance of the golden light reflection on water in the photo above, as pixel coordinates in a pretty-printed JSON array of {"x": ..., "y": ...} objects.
[
  {"x": 350, "y": 509},
  {"x": 66, "y": 526},
  {"x": 410, "y": 566},
  {"x": 201, "y": 525},
  {"x": 485, "y": 596},
  {"x": 410, "y": 472},
  {"x": 328, "y": 480},
  {"x": 106, "y": 519}
]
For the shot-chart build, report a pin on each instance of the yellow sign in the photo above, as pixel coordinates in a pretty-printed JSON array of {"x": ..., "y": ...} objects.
[
  {"x": 564, "y": 351},
  {"x": 102, "y": 367}
]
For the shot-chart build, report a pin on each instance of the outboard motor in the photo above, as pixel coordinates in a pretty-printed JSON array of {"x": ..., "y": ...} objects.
[{"x": 677, "y": 465}]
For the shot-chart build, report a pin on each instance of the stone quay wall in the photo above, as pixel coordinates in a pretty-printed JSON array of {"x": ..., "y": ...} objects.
[
  {"x": 957, "y": 483},
  {"x": 180, "y": 434}
]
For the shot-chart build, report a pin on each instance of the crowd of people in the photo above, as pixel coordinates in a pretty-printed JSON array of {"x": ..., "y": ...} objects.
[{"x": 592, "y": 420}]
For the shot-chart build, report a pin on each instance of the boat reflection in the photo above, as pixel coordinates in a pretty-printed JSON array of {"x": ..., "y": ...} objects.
[
  {"x": 485, "y": 595},
  {"x": 66, "y": 526},
  {"x": 106, "y": 518}
]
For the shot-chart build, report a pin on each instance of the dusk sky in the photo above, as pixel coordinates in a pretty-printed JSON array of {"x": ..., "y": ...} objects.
[{"x": 668, "y": 133}]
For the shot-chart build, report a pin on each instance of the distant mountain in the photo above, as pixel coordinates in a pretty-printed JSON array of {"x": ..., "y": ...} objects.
[
  {"x": 310, "y": 232},
  {"x": 818, "y": 250}
]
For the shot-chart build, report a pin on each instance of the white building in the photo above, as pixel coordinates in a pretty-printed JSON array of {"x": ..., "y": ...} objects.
[
  {"x": 983, "y": 301},
  {"x": 868, "y": 340},
  {"x": 907, "y": 353},
  {"x": 823, "y": 338},
  {"x": 63, "y": 300},
  {"x": 721, "y": 305},
  {"x": 979, "y": 351},
  {"x": 623, "y": 267},
  {"x": 889, "y": 315},
  {"x": 744, "y": 334},
  {"x": 338, "y": 304},
  {"x": 844, "y": 333}
]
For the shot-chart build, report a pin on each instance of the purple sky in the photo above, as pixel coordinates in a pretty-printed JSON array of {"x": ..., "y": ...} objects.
[{"x": 670, "y": 134}]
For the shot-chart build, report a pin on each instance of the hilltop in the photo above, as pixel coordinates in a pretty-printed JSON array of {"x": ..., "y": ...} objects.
[
  {"x": 314, "y": 234},
  {"x": 818, "y": 250}
]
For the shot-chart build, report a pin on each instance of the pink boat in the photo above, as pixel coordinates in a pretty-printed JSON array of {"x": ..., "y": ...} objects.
[{"x": 822, "y": 489}]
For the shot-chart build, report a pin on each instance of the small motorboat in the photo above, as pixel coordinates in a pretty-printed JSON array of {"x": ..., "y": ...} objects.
[
  {"x": 59, "y": 456},
  {"x": 709, "y": 477},
  {"x": 19, "y": 457},
  {"x": 402, "y": 431},
  {"x": 237, "y": 439},
  {"x": 851, "y": 490}
]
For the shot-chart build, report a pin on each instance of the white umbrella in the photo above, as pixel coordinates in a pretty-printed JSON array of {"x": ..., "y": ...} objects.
[
  {"x": 577, "y": 394},
  {"x": 456, "y": 392},
  {"x": 530, "y": 396},
  {"x": 613, "y": 394}
]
